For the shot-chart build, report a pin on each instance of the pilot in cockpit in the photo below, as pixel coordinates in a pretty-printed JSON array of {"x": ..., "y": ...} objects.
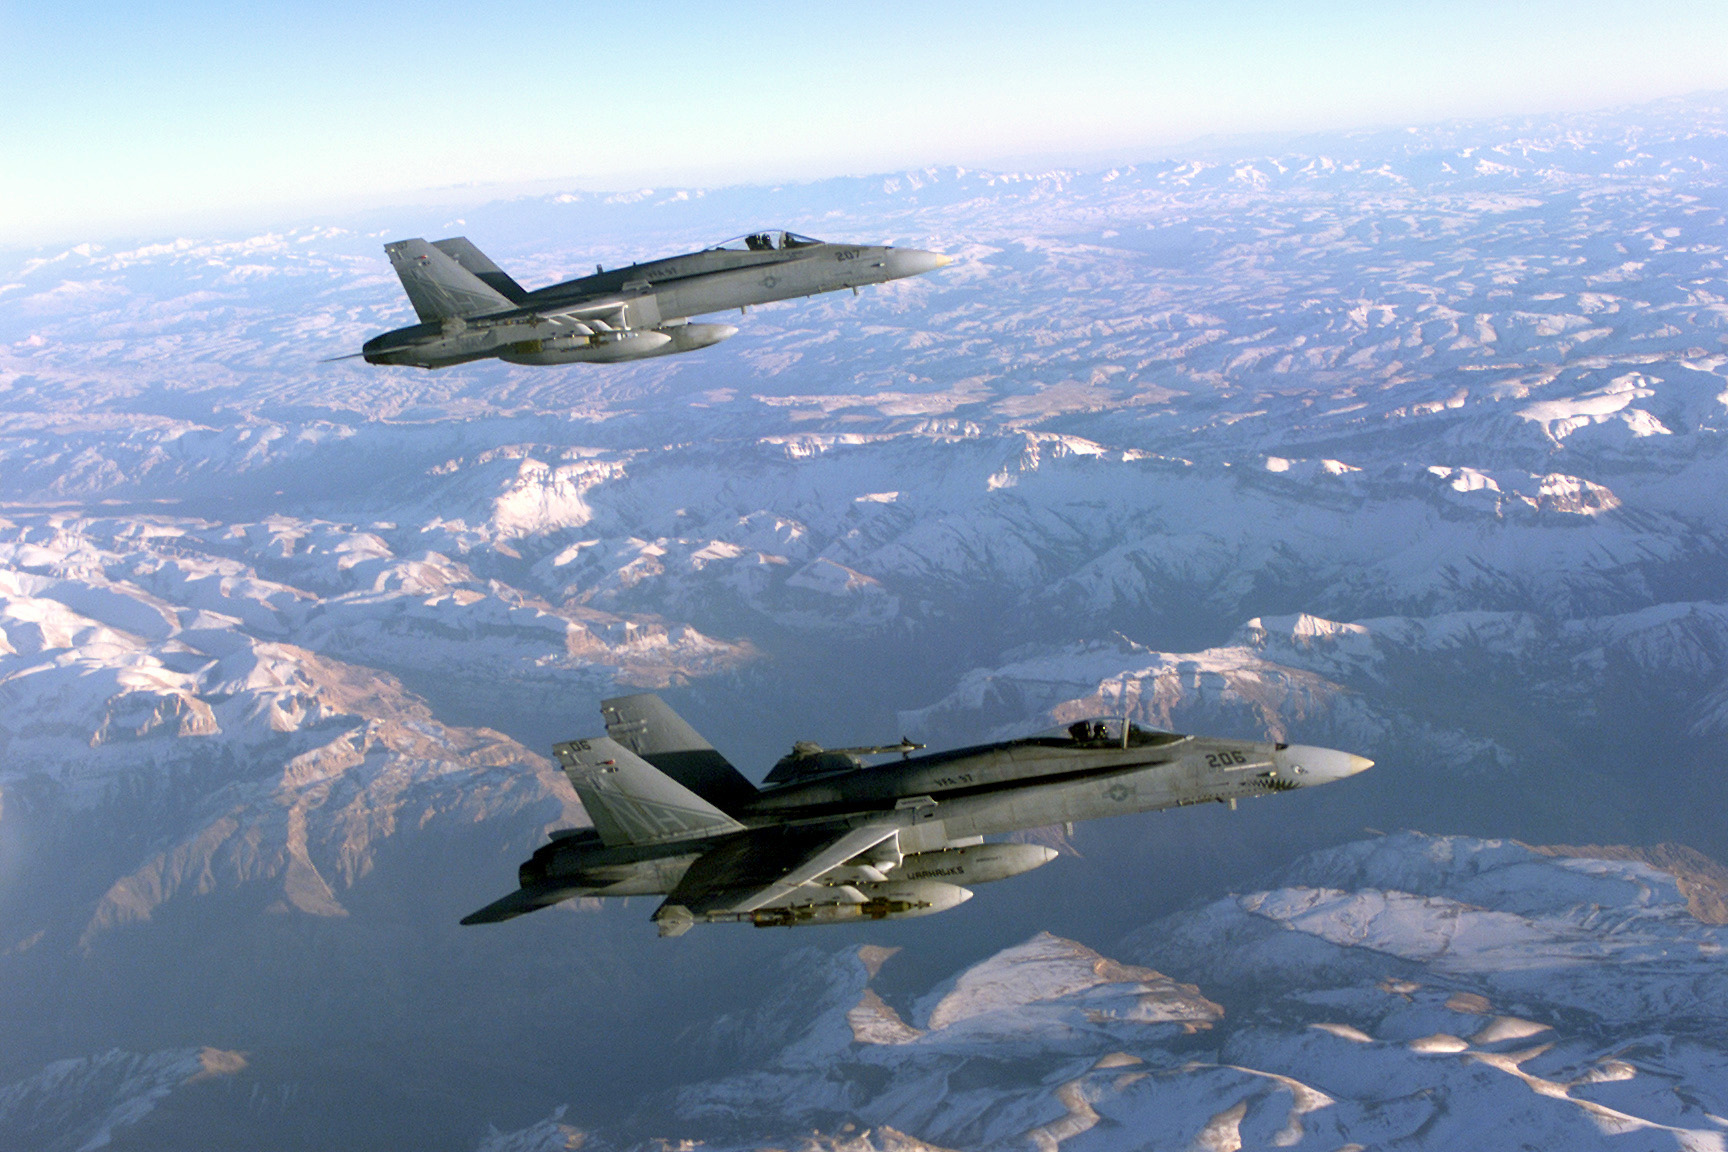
[
  {"x": 1089, "y": 732},
  {"x": 759, "y": 242}
]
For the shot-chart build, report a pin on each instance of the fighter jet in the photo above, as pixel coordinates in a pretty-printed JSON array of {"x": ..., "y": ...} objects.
[
  {"x": 470, "y": 309},
  {"x": 829, "y": 839}
]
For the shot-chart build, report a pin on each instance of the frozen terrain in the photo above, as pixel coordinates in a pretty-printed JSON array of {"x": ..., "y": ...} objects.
[
  {"x": 1412, "y": 992},
  {"x": 1411, "y": 443}
]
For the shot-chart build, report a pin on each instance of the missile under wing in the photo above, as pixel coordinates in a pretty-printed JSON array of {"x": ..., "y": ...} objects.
[
  {"x": 471, "y": 309},
  {"x": 830, "y": 839}
]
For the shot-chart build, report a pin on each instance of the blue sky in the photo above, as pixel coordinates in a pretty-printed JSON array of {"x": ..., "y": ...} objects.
[{"x": 128, "y": 116}]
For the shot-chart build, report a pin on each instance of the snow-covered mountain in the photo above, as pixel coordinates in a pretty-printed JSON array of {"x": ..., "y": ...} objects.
[
  {"x": 1409, "y": 991},
  {"x": 1410, "y": 443}
]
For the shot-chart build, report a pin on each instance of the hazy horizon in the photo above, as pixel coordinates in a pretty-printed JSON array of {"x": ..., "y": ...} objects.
[
  {"x": 472, "y": 195},
  {"x": 199, "y": 113}
]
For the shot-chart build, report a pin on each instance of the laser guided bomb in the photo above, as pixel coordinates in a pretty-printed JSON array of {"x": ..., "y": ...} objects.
[
  {"x": 471, "y": 309},
  {"x": 829, "y": 839}
]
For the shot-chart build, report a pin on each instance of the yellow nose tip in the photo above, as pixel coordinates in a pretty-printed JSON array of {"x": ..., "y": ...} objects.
[{"x": 944, "y": 261}]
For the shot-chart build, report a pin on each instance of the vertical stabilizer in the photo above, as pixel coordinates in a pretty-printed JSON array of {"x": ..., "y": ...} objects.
[
  {"x": 648, "y": 727},
  {"x": 462, "y": 250},
  {"x": 439, "y": 287},
  {"x": 632, "y": 802}
]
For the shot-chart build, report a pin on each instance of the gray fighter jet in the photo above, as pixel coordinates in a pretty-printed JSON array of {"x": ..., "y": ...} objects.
[
  {"x": 830, "y": 840},
  {"x": 470, "y": 309}
]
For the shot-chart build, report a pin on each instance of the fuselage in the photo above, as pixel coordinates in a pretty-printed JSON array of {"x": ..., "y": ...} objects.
[
  {"x": 950, "y": 800},
  {"x": 722, "y": 278},
  {"x": 644, "y": 309}
]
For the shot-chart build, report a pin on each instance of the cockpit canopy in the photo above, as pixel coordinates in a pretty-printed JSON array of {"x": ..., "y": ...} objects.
[
  {"x": 766, "y": 242},
  {"x": 1101, "y": 732}
]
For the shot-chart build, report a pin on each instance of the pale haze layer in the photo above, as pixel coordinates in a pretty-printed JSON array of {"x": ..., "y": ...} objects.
[{"x": 123, "y": 117}]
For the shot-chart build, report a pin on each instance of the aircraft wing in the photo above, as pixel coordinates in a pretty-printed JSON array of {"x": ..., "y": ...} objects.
[
  {"x": 600, "y": 310},
  {"x": 601, "y": 313},
  {"x": 604, "y": 308},
  {"x": 751, "y": 871}
]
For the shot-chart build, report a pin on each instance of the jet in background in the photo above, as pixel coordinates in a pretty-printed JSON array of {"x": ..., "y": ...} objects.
[
  {"x": 829, "y": 840},
  {"x": 470, "y": 309}
]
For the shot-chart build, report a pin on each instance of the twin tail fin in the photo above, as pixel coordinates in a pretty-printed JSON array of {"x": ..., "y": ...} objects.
[
  {"x": 648, "y": 727},
  {"x": 451, "y": 279},
  {"x": 462, "y": 250},
  {"x": 632, "y": 802}
]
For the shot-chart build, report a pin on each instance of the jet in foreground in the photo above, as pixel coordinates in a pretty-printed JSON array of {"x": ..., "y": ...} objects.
[
  {"x": 830, "y": 840},
  {"x": 470, "y": 309}
]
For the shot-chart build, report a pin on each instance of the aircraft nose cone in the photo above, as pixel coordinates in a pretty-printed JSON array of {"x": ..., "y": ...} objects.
[
  {"x": 915, "y": 261},
  {"x": 1311, "y": 765}
]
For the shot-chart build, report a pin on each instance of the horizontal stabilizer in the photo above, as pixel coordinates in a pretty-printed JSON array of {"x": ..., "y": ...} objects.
[{"x": 518, "y": 903}]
